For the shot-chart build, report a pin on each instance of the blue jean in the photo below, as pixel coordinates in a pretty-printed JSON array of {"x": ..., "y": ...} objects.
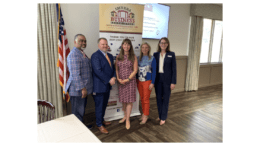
[{"x": 78, "y": 105}]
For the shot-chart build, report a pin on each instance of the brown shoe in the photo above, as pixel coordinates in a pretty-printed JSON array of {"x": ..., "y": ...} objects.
[
  {"x": 106, "y": 123},
  {"x": 102, "y": 129}
]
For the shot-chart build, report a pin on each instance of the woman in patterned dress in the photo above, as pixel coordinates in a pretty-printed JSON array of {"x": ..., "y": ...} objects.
[{"x": 126, "y": 69}]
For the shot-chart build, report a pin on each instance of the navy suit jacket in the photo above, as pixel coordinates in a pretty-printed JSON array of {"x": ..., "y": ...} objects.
[
  {"x": 169, "y": 67},
  {"x": 102, "y": 72}
]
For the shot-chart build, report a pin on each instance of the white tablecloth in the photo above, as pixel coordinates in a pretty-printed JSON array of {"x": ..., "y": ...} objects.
[{"x": 65, "y": 129}]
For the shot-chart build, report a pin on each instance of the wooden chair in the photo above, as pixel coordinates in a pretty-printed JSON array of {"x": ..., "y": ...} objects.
[{"x": 46, "y": 111}]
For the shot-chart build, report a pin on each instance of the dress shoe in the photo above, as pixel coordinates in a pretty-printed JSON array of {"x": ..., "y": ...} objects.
[
  {"x": 162, "y": 122},
  {"x": 89, "y": 127},
  {"x": 102, "y": 129},
  {"x": 106, "y": 123}
]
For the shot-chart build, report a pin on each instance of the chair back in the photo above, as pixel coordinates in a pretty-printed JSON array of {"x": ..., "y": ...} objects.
[{"x": 46, "y": 111}]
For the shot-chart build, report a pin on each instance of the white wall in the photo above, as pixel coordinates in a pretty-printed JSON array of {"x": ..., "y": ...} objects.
[{"x": 84, "y": 18}]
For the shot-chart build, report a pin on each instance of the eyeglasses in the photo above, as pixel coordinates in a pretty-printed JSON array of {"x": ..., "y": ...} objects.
[{"x": 163, "y": 43}]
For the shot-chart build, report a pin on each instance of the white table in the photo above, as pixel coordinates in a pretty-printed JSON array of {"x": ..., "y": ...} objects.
[{"x": 65, "y": 129}]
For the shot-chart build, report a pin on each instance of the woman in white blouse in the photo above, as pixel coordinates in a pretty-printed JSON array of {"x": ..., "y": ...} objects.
[{"x": 165, "y": 77}]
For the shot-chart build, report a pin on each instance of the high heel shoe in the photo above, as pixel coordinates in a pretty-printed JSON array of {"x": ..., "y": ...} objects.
[
  {"x": 122, "y": 121},
  {"x": 162, "y": 122},
  {"x": 141, "y": 123},
  {"x": 141, "y": 118},
  {"x": 127, "y": 127}
]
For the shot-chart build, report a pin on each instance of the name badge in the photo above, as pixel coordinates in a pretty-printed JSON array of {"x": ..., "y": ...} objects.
[{"x": 169, "y": 55}]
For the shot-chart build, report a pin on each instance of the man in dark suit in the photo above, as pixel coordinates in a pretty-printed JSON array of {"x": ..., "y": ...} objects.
[
  {"x": 104, "y": 77},
  {"x": 165, "y": 77}
]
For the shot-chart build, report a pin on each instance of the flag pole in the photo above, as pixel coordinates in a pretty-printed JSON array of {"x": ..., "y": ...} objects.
[
  {"x": 58, "y": 33},
  {"x": 63, "y": 96}
]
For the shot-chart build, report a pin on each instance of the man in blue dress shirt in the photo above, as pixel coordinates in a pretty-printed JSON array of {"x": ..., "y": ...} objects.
[{"x": 80, "y": 82}]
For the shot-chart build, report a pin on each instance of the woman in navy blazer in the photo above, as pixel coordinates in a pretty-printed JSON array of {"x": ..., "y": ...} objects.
[{"x": 165, "y": 77}]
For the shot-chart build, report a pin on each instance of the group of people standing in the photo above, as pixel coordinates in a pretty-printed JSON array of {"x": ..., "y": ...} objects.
[{"x": 97, "y": 75}]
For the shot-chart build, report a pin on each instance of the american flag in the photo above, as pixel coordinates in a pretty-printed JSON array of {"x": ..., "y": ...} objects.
[{"x": 64, "y": 51}]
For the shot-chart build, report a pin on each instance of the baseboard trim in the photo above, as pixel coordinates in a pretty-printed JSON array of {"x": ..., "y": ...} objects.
[{"x": 207, "y": 85}]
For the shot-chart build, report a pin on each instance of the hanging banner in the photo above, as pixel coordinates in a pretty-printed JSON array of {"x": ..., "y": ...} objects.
[
  {"x": 116, "y": 23},
  {"x": 125, "y": 18}
]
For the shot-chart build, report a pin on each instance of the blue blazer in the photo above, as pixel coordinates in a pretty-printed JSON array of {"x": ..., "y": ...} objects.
[
  {"x": 80, "y": 73},
  {"x": 102, "y": 72},
  {"x": 169, "y": 67}
]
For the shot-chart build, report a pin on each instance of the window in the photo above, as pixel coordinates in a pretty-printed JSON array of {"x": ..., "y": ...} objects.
[
  {"x": 205, "y": 40},
  {"x": 211, "y": 47}
]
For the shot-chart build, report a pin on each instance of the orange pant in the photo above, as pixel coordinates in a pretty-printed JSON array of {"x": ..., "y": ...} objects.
[{"x": 143, "y": 88}]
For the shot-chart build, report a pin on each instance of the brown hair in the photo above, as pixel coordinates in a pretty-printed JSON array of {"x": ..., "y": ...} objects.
[
  {"x": 167, "y": 41},
  {"x": 141, "y": 53},
  {"x": 131, "y": 56}
]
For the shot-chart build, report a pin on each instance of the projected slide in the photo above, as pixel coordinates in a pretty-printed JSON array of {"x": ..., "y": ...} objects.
[{"x": 155, "y": 22}]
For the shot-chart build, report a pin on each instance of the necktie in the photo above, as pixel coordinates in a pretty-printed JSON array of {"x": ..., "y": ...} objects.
[
  {"x": 108, "y": 59},
  {"x": 84, "y": 55}
]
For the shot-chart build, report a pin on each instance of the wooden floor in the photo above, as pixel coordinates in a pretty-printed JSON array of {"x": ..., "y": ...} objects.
[{"x": 192, "y": 117}]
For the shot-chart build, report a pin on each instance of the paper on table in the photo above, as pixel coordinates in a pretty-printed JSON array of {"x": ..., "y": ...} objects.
[{"x": 62, "y": 128}]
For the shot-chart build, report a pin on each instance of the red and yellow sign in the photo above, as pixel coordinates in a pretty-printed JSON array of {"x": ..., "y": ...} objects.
[{"x": 121, "y": 18}]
